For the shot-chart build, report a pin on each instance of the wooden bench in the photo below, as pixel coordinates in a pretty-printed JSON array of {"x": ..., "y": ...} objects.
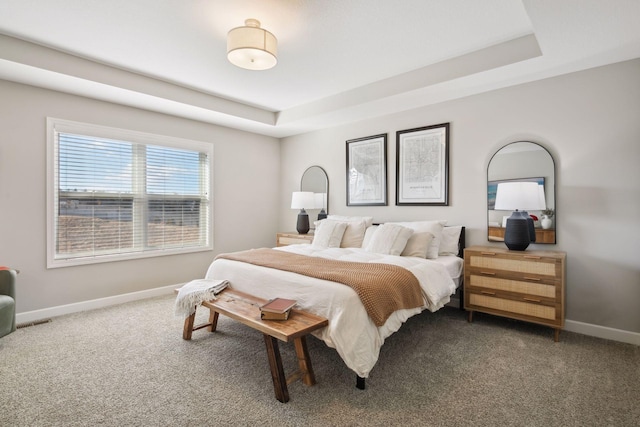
[{"x": 245, "y": 309}]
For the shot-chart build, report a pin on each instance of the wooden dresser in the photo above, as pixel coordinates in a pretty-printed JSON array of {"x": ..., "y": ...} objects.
[
  {"x": 292, "y": 238},
  {"x": 524, "y": 285}
]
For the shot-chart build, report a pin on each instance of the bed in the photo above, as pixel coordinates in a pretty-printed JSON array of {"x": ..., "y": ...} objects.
[{"x": 428, "y": 249}]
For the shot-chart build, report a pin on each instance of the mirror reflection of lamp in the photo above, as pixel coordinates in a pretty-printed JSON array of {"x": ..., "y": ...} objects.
[
  {"x": 319, "y": 199},
  {"x": 301, "y": 200},
  {"x": 519, "y": 197}
]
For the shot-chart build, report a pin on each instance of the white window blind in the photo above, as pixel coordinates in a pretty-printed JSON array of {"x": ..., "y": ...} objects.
[{"x": 117, "y": 194}]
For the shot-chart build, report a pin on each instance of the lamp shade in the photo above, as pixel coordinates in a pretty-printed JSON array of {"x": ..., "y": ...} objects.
[
  {"x": 251, "y": 47},
  {"x": 519, "y": 195},
  {"x": 542, "y": 200},
  {"x": 319, "y": 199},
  {"x": 302, "y": 200}
]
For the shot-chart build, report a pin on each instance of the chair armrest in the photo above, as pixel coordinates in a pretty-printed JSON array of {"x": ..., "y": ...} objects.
[{"x": 8, "y": 283}]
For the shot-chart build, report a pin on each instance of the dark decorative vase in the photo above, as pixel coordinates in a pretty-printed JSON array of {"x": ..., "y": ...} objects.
[
  {"x": 303, "y": 222},
  {"x": 517, "y": 235}
]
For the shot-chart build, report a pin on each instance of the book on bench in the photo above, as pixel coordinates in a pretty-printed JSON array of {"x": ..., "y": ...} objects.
[
  {"x": 267, "y": 315},
  {"x": 277, "y": 309}
]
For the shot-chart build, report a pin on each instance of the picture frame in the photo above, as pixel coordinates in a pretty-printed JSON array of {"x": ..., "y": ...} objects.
[
  {"x": 367, "y": 171},
  {"x": 492, "y": 188},
  {"x": 422, "y": 166}
]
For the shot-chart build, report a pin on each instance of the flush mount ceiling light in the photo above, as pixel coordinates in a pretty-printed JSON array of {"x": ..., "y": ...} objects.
[{"x": 252, "y": 47}]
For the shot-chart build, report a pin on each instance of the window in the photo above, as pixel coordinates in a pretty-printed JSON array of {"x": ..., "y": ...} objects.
[{"x": 114, "y": 194}]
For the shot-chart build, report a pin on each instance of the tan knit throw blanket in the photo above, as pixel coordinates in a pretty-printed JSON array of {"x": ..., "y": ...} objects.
[{"x": 382, "y": 288}]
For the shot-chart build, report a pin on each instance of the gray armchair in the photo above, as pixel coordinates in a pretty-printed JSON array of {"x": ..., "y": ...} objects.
[{"x": 7, "y": 301}]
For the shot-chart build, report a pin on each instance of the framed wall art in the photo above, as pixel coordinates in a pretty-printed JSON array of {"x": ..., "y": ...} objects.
[
  {"x": 367, "y": 171},
  {"x": 422, "y": 166}
]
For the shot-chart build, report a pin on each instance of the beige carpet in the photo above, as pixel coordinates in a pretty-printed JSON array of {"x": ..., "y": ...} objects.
[{"x": 128, "y": 366}]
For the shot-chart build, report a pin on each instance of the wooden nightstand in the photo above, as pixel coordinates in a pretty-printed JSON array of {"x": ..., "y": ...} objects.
[
  {"x": 292, "y": 238},
  {"x": 524, "y": 285}
]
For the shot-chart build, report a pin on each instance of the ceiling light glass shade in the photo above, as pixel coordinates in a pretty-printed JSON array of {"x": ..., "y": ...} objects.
[{"x": 252, "y": 47}]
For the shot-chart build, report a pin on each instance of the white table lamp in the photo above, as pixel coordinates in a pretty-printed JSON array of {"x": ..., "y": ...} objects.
[
  {"x": 519, "y": 197},
  {"x": 319, "y": 199},
  {"x": 301, "y": 200}
]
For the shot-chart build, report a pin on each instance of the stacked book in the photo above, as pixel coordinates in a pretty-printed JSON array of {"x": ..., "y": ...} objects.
[{"x": 277, "y": 309}]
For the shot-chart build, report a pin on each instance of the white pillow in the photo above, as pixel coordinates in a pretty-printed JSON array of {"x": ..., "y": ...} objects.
[
  {"x": 367, "y": 219},
  {"x": 433, "y": 227},
  {"x": 450, "y": 239},
  {"x": 356, "y": 226},
  {"x": 328, "y": 234},
  {"x": 354, "y": 234},
  {"x": 389, "y": 239},
  {"x": 367, "y": 235},
  {"x": 418, "y": 244}
]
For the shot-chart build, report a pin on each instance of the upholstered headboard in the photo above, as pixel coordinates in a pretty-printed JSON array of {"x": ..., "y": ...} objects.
[{"x": 461, "y": 243}]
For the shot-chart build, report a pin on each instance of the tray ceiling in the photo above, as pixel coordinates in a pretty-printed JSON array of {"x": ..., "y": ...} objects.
[{"x": 338, "y": 61}]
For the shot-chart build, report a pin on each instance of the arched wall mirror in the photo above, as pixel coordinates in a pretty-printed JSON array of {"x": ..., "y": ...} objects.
[
  {"x": 522, "y": 161},
  {"x": 315, "y": 179}
]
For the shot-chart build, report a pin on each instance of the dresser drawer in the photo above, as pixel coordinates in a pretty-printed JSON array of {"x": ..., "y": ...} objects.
[
  {"x": 546, "y": 290},
  {"x": 284, "y": 239},
  {"x": 519, "y": 264},
  {"x": 538, "y": 311}
]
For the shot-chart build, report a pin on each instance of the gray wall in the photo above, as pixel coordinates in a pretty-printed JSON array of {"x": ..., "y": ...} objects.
[
  {"x": 589, "y": 121},
  {"x": 245, "y": 208}
]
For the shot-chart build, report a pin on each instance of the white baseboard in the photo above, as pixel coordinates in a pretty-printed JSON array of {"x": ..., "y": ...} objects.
[
  {"x": 46, "y": 313},
  {"x": 602, "y": 332},
  {"x": 587, "y": 329}
]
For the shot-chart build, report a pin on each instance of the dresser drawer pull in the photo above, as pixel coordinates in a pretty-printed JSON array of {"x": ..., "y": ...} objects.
[
  {"x": 488, "y": 273},
  {"x": 488, "y": 253},
  {"x": 531, "y": 299},
  {"x": 531, "y": 257},
  {"x": 487, "y": 293},
  {"x": 532, "y": 279}
]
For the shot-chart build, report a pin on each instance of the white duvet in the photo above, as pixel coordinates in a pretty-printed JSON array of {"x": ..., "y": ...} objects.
[{"x": 350, "y": 331}]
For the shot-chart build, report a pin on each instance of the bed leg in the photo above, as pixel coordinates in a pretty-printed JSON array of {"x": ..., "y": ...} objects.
[{"x": 359, "y": 382}]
